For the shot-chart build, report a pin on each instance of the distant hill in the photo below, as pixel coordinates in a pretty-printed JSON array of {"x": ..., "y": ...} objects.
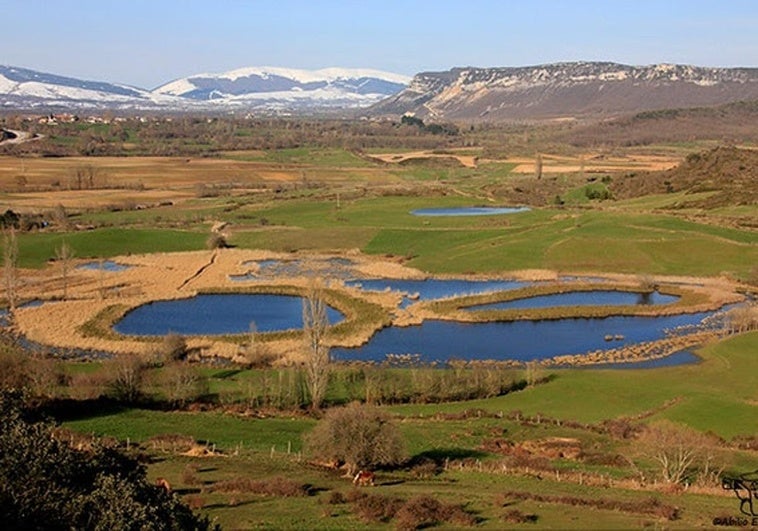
[
  {"x": 729, "y": 173},
  {"x": 562, "y": 90},
  {"x": 731, "y": 123}
]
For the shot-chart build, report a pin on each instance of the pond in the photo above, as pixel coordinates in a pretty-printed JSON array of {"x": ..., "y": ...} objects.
[
  {"x": 216, "y": 314},
  {"x": 105, "y": 265},
  {"x": 436, "y": 340},
  {"x": 335, "y": 267},
  {"x": 468, "y": 211},
  {"x": 434, "y": 288},
  {"x": 581, "y": 298}
]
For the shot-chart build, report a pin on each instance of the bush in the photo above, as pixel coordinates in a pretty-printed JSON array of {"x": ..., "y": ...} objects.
[
  {"x": 276, "y": 486},
  {"x": 172, "y": 347},
  {"x": 216, "y": 241},
  {"x": 514, "y": 516},
  {"x": 359, "y": 436},
  {"x": 372, "y": 508},
  {"x": 425, "y": 511}
]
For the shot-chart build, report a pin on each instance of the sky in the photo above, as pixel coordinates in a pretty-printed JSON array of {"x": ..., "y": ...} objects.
[{"x": 147, "y": 43}]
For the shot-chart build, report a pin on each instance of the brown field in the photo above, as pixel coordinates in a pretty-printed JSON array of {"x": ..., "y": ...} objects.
[
  {"x": 48, "y": 182},
  {"x": 596, "y": 163},
  {"x": 589, "y": 162}
]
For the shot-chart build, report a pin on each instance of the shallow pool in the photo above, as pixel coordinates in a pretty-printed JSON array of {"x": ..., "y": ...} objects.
[
  {"x": 434, "y": 288},
  {"x": 105, "y": 265},
  {"x": 468, "y": 211}
]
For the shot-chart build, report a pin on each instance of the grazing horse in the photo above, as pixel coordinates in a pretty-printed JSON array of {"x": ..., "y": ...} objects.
[
  {"x": 163, "y": 483},
  {"x": 363, "y": 478}
]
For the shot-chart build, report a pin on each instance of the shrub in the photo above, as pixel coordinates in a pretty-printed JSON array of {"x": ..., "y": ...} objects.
[
  {"x": 173, "y": 347},
  {"x": 276, "y": 486},
  {"x": 425, "y": 511},
  {"x": 358, "y": 435},
  {"x": 336, "y": 498},
  {"x": 373, "y": 508},
  {"x": 216, "y": 241},
  {"x": 514, "y": 516}
]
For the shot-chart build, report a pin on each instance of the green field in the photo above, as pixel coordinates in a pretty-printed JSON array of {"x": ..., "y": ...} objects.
[{"x": 716, "y": 395}]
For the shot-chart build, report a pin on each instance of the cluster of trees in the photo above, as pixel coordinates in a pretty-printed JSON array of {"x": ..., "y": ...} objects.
[
  {"x": 45, "y": 483},
  {"x": 204, "y": 136}
]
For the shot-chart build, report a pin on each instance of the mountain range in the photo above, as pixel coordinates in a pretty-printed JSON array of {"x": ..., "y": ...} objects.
[
  {"x": 267, "y": 89},
  {"x": 551, "y": 91}
]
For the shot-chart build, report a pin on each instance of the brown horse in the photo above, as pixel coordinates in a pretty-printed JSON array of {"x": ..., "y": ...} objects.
[
  {"x": 363, "y": 478},
  {"x": 163, "y": 483}
]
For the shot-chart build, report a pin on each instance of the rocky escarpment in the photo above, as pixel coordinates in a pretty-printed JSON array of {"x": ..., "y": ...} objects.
[{"x": 563, "y": 90}]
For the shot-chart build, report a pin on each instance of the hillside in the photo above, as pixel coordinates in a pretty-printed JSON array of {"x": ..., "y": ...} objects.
[
  {"x": 562, "y": 90},
  {"x": 730, "y": 123},
  {"x": 730, "y": 173}
]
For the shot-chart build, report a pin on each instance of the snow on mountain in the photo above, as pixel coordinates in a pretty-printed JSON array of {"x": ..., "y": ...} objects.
[
  {"x": 24, "y": 88},
  {"x": 260, "y": 88},
  {"x": 352, "y": 87}
]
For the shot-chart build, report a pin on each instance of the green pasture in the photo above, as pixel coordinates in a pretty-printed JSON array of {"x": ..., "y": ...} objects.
[
  {"x": 36, "y": 249},
  {"x": 715, "y": 395}
]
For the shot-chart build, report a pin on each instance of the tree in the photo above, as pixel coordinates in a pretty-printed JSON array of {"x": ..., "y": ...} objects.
[
  {"x": 538, "y": 166},
  {"x": 676, "y": 448},
  {"x": 358, "y": 435},
  {"x": 10, "y": 268},
  {"x": 64, "y": 254},
  {"x": 315, "y": 324},
  {"x": 182, "y": 383},
  {"x": 46, "y": 484},
  {"x": 126, "y": 377}
]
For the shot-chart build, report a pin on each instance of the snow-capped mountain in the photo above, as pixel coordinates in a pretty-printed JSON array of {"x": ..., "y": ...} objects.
[
  {"x": 24, "y": 88},
  {"x": 283, "y": 87},
  {"x": 267, "y": 89},
  {"x": 567, "y": 90}
]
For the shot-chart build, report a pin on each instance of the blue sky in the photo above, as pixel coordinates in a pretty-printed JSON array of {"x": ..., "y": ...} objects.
[{"x": 148, "y": 42}]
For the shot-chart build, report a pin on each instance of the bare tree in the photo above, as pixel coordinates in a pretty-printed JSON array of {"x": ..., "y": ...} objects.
[
  {"x": 538, "y": 166},
  {"x": 533, "y": 373},
  {"x": 315, "y": 324},
  {"x": 10, "y": 269},
  {"x": 64, "y": 254},
  {"x": 358, "y": 435},
  {"x": 182, "y": 383},
  {"x": 126, "y": 377},
  {"x": 677, "y": 449}
]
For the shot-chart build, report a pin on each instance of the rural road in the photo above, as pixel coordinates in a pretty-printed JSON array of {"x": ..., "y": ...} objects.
[{"x": 9, "y": 136}]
